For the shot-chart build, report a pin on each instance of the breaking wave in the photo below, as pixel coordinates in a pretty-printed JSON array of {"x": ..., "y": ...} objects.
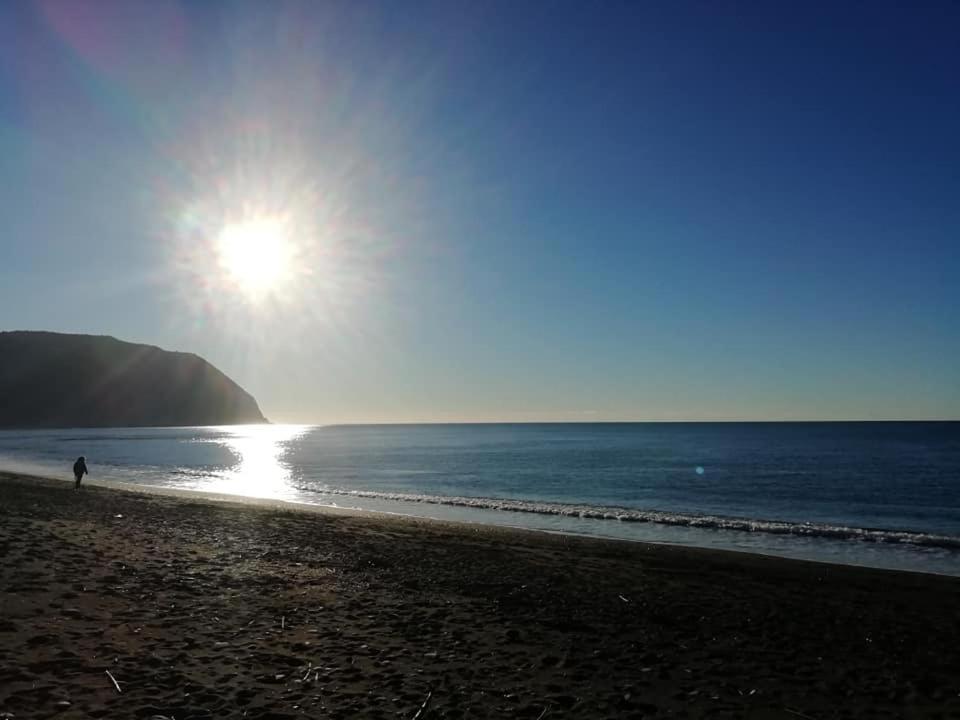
[{"x": 710, "y": 522}]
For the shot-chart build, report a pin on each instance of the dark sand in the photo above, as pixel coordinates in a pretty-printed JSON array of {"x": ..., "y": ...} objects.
[{"x": 202, "y": 609}]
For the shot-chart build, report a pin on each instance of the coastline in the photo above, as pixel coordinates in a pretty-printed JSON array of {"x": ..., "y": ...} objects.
[
  {"x": 895, "y": 550},
  {"x": 205, "y": 607},
  {"x": 833, "y": 513}
]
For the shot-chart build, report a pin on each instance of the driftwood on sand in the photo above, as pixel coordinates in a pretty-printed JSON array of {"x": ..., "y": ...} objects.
[
  {"x": 423, "y": 706},
  {"x": 113, "y": 680}
]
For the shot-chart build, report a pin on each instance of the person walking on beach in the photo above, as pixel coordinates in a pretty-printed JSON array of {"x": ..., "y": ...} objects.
[{"x": 79, "y": 468}]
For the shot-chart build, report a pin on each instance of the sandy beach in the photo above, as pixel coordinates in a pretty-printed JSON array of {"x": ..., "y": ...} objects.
[{"x": 127, "y": 604}]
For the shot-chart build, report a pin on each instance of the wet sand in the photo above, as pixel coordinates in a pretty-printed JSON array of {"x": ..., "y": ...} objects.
[{"x": 205, "y": 609}]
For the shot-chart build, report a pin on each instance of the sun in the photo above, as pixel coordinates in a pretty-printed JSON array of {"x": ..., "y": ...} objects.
[{"x": 256, "y": 255}]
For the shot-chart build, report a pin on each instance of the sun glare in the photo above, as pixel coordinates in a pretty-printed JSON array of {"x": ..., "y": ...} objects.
[{"x": 256, "y": 255}]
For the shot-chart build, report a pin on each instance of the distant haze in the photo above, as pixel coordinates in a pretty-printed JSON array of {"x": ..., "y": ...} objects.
[{"x": 395, "y": 212}]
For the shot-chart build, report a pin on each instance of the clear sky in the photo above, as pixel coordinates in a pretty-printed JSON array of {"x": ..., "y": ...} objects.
[{"x": 498, "y": 211}]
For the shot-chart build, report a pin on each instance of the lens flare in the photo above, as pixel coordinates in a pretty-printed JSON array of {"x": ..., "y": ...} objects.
[
  {"x": 285, "y": 214},
  {"x": 256, "y": 254}
]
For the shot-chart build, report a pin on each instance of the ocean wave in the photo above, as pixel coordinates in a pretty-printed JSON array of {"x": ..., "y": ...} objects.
[{"x": 693, "y": 520}]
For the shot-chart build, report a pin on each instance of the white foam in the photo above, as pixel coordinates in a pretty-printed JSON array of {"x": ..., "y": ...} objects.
[{"x": 714, "y": 522}]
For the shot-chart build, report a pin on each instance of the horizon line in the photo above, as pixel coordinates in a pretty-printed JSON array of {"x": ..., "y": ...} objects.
[{"x": 614, "y": 422}]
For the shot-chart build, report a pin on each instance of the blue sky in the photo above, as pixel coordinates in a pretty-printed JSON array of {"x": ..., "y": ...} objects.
[{"x": 501, "y": 211}]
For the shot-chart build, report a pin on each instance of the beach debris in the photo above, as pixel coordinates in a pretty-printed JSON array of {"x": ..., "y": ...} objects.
[
  {"x": 283, "y": 621},
  {"x": 798, "y": 713},
  {"x": 113, "y": 680},
  {"x": 423, "y": 706},
  {"x": 623, "y": 598}
]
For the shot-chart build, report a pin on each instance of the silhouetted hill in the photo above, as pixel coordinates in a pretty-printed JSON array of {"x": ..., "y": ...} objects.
[{"x": 56, "y": 380}]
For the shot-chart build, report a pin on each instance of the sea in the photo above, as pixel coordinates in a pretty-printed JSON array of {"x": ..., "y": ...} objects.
[{"x": 879, "y": 494}]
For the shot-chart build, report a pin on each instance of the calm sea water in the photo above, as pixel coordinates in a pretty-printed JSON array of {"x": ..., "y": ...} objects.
[{"x": 880, "y": 494}]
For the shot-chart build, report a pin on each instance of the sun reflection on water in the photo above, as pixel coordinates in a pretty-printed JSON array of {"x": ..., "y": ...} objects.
[{"x": 260, "y": 469}]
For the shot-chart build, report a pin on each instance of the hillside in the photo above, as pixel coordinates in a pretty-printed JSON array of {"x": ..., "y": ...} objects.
[{"x": 58, "y": 380}]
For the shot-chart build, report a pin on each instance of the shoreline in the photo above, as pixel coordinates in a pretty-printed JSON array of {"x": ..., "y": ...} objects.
[
  {"x": 206, "y": 608},
  {"x": 319, "y": 507}
]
